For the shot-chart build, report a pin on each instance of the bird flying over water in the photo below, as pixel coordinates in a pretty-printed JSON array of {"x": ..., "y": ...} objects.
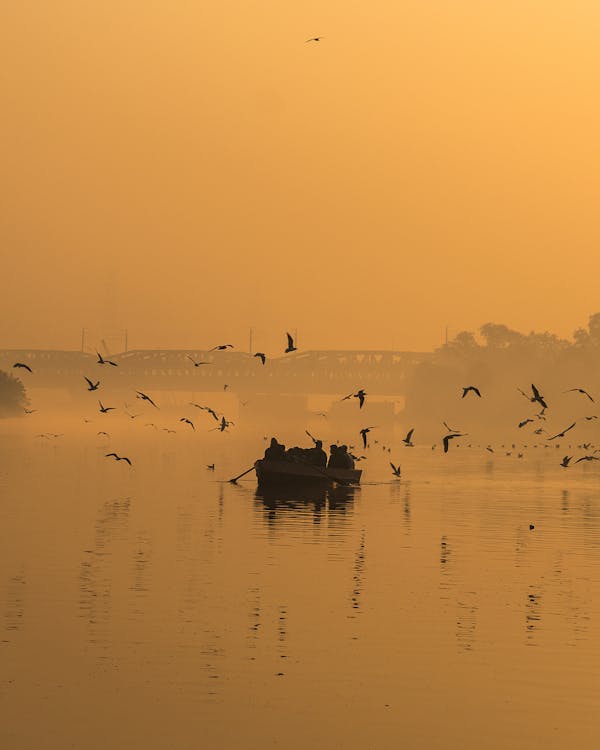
[
  {"x": 408, "y": 439},
  {"x": 145, "y": 397},
  {"x": 593, "y": 416},
  {"x": 395, "y": 469},
  {"x": 587, "y": 458},
  {"x": 447, "y": 438},
  {"x": 537, "y": 397},
  {"x": 468, "y": 388},
  {"x": 364, "y": 432},
  {"x": 102, "y": 361},
  {"x": 524, "y": 422},
  {"x": 566, "y": 460},
  {"x": 579, "y": 390},
  {"x": 221, "y": 347},
  {"x": 105, "y": 409},
  {"x": 450, "y": 429},
  {"x": 22, "y": 366},
  {"x": 119, "y": 458},
  {"x": 91, "y": 385},
  {"x": 562, "y": 434},
  {"x": 314, "y": 39},
  {"x": 196, "y": 364},
  {"x": 262, "y": 356},
  {"x": 188, "y": 421},
  {"x": 29, "y": 411},
  {"x": 290, "y": 345}
]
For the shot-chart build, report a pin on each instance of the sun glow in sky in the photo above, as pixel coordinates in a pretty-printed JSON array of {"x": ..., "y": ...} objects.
[{"x": 187, "y": 170}]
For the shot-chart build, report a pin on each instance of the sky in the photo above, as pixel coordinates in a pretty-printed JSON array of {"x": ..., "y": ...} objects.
[{"x": 188, "y": 170}]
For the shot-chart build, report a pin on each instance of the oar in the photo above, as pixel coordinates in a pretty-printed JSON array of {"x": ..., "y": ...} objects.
[{"x": 243, "y": 474}]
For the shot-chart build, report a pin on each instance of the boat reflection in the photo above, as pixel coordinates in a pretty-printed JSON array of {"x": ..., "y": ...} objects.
[{"x": 294, "y": 500}]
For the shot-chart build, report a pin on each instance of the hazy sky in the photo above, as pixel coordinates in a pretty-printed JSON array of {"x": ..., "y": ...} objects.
[{"x": 187, "y": 169}]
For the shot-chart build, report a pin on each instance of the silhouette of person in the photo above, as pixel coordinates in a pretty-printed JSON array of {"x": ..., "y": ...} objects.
[{"x": 275, "y": 451}]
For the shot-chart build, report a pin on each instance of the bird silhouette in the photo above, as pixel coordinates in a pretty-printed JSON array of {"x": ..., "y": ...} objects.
[
  {"x": 119, "y": 458},
  {"x": 579, "y": 390},
  {"x": 290, "y": 344},
  {"x": 102, "y": 361},
  {"x": 395, "y": 469},
  {"x": 145, "y": 397},
  {"x": 91, "y": 385},
  {"x": 196, "y": 364},
  {"x": 587, "y": 458},
  {"x": 447, "y": 438},
  {"x": 593, "y": 416},
  {"x": 408, "y": 439},
  {"x": 468, "y": 388},
  {"x": 537, "y": 397},
  {"x": 315, "y": 39},
  {"x": 105, "y": 409},
  {"x": 188, "y": 421},
  {"x": 450, "y": 429},
  {"x": 262, "y": 355},
  {"x": 29, "y": 411},
  {"x": 221, "y": 347},
  {"x": 23, "y": 366},
  {"x": 566, "y": 460},
  {"x": 562, "y": 434},
  {"x": 364, "y": 432},
  {"x": 103, "y": 433},
  {"x": 223, "y": 424},
  {"x": 212, "y": 412},
  {"x": 525, "y": 421}
]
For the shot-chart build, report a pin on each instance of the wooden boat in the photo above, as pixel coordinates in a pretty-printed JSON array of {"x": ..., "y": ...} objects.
[{"x": 294, "y": 472}]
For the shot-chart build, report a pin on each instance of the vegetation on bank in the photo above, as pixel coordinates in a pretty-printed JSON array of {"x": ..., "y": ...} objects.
[
  {"x": 13, "y": 397},
  {"x": 500, "y": 362}
]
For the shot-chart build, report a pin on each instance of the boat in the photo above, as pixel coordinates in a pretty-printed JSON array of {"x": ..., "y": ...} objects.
[{"x": 293, "y": 472}]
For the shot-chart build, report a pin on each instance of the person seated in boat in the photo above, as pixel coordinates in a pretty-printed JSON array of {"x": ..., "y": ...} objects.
[
  {"x": 275, "y": 451},
  {"x": 299, "y": 455},
  {"x": 318, "y": 457},
  {"x": 345, "y": 459},
  {"x": 334, "y": 461}
]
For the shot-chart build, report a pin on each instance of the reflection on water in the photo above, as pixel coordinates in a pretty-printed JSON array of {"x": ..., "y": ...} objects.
[{"x": 153, "y": 607}]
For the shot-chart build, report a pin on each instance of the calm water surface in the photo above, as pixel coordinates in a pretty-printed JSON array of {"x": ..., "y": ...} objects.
[{"x": 161, "y": 607}]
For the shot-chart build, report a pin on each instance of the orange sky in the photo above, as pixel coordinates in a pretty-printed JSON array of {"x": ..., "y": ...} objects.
[{"x": 189, "y": 169}]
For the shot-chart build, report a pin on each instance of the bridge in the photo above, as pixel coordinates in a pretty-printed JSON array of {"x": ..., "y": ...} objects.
[{"x": 380, "y": 372}]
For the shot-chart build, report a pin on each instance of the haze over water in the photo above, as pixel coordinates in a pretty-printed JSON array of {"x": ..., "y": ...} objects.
[{"x": 161, "y": 606}]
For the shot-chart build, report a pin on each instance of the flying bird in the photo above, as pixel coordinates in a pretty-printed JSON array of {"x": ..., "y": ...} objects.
[
  {"x": 588, "y": 419},
  {"x": 290, "y": 346},
  {"x": 408, "y": 439},
  {"x": 566, "y": 461},
  {"x": 223, "y": 424},
  {"x": 262, "y": 355},
  {"x": 145, "y": 397},
  {"x": 587, "y": 458},
  {"x": 579, "y": 390},
  {"x": 210, "y": 467},
  {"x": 314, "y": 39},
  {"x": 212, "y": 412},
  {"x": 166, "y": 429},
  {"x": 447, "y": 438},
  {"x": 450, "y": 429},
  {"x": 364, "y": 432},
  {"x": 525, "y": 421},
  {"x": 562, "y": 434},
  {"x": 221, "y": 347},
  {"x": 23, "y": 366},
  {"x": 360, "y": 395},
  {"x": 395, "y": 469},
  {"x": 188, "y": 421},
  {"x": 468, "y": 388},
  {"x": 29, "y": 411},
  {"x": 119, "y": 458},
  {"x": 537, "y": 397},
  {"x": 196, "y": 364},
  {"x": 102, "y": 361},
  {"x": 105, "y": 409},
  {"x": 91, "y": 385}
]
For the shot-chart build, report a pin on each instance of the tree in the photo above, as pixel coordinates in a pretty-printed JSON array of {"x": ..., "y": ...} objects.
[{"x": 13, "y": 398}]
